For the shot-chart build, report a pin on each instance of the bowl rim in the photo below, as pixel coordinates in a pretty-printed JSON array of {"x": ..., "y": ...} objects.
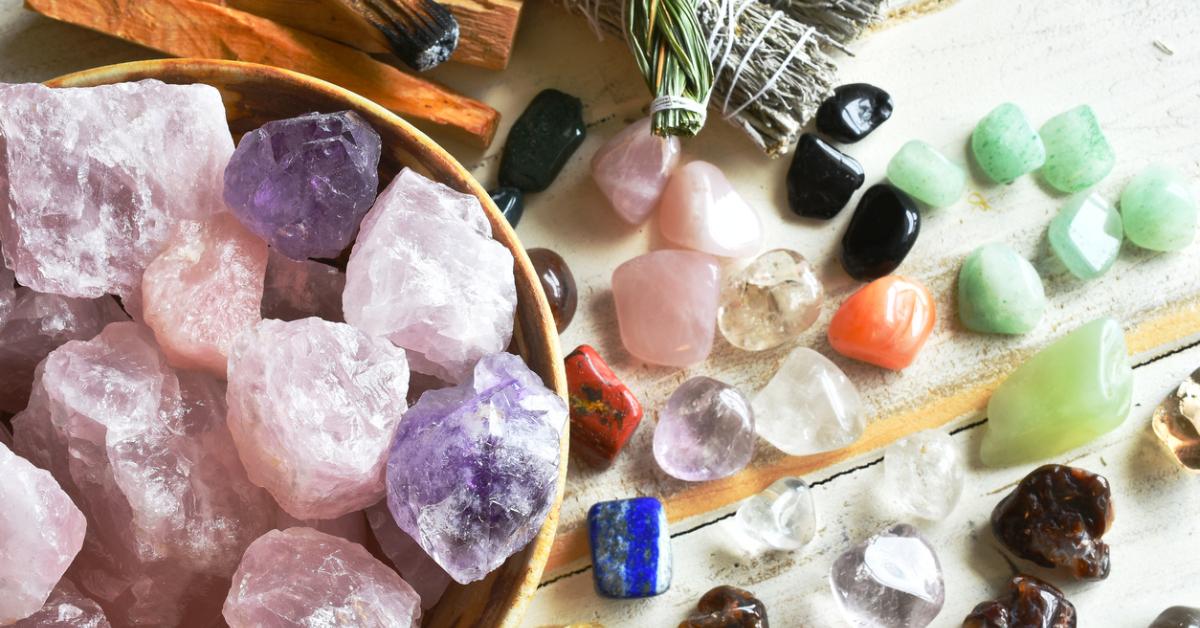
[{"x": 539, "y": 548}]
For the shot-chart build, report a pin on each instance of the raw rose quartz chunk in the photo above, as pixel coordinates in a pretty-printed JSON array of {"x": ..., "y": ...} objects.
[
  {"x": 474, "y": 468},
  {"x": 313, "y": 406},
  {"x": 352, "y": 527},
  {"x": 667, "y": 306},
  {"x": 301, "y": 577},
  {"x": 203, "y": 290},
  {"x": 144, "y": 451},
  {"x": 700, "y": 210},
  {"x": 93, "y": 179},
  {"x": 426, "y": 273},
  {"x": 41, "y": 531},
  {"x": 35, "y": 325},
  {"x": 8, "y": 292},
  {"x": 296, "y": 290},
  {"x": 66, "y": 608},
  {"x": 632, "y": 168},
  {"x": 415, "y": 566}
]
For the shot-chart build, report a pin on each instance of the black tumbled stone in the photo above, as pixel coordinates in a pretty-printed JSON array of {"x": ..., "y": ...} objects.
[
  {"x": 853, "y": 111},
  {"x": 881, "y": 233},
  {"x": 511, "y": 202},
  {"x": 542, "y": 140},
  {"x": 821, "y": 179}
]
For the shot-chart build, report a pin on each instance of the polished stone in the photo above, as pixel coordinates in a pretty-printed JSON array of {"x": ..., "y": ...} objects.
[
  {"x": 809, "y": 406},
  {"x": 891, "y": 580},
  {"x": 1178, "y": 617},
  {"x": 667, "y": 306},
  {"x": 558, "y": 283},
  {"x": 1069, "y": 393},
  {"x": 1078, "y": 155},
  {"x": 632, "y": 168},
  {"x": 770, "y": 301},
  {"x": 1176, "y": 422},
  {"x": 853, "y": 112},
  {"x": 728, "y": 607},
  {"x": 882, "y": 231},
  {"x": 631, "y": 547},
  {"x": 542, "y": 140},
  {"x": 927, "y": 175},
  {"x": 924, "y": 473},
  {"x": 511, "y": 203},
  {"x": 821, "y": 179},
  {"x": 604, "y": 412},
  {"x": 885, "y": 323},
  {"x": 1086, "y": 235},
  {"x": 1006, "y": 145},
  {"x": 782, "y": 517},
  {"x": 1031, "y": 603},
  {"x": 701, "y": 210},
  {"x": 705, "y": 432},
  {"x": 1158, "y": 210},
  {"x": 999, "y": 292}
]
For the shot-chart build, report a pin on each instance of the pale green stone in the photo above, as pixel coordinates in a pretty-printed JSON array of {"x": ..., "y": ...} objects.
[
  {"x": 1086, "y": 235},
  {"x": 1069, "y": 393},
  {"x": 1158, "y": 210},
  {"x": 1005, "y": 145},
  {"x": 1077, "y": 153},
  {"x": 926, "y": 175},
  {"x": 999, "y": 292}
]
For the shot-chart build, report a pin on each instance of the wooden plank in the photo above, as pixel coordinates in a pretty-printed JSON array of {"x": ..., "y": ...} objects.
[{"x": 190, "y": 28}]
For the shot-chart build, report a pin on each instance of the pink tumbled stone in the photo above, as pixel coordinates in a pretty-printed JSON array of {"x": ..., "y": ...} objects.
[
  {"x": 301, "y": 577},
  {"x": 295, "y": 290},
  {"x": 145, "y": 453},
  {"x": 66, "y": 608},
  {"x": 667, "y": 306},
  {"x": 203, "y": 290},
  {"x": 313, "y": 406},
  {"x": 426, "y": 273},
  {"x": 700, "y": 210},
  {"x": 407, "y": 556},
  {"x": 41, "y": 531},
  {"x": 632, "y": 168},
  {"x": 95, "y": 178}
]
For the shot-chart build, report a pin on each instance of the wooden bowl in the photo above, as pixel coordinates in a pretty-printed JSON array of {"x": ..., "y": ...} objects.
[{"x": 255, "y": 94}]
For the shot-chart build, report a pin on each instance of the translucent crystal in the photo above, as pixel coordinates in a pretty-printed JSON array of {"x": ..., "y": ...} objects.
[
  {"x": 667, "y": 306},
  {"x": 891, "y": 580},
  {"x": 770, "y": 301},
  {"x": 924, "y": 474},
  {"x": 782, "y": 517},
  {"x": 1177, "y": 422},
  {"x": 632, "y": 168},
  {"x": 809, "y": 406},
  {"x": 295, "y": 290},
  {"x": 701, "y": 210},
  {"x": 1086, "y": 235},
  {"x": 406, "y": 555},
  {"x": 705, "y": 432},
  {"x": 66, "y": 608}
]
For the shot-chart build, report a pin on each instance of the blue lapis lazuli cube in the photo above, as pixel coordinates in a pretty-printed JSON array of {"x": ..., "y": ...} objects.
[{"x": 631, "y": 547}]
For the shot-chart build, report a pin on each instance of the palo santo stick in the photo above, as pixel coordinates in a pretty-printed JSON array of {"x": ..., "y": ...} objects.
[
  {"x": 487, "y": 28},
  {"x": 191, "y": 28}
]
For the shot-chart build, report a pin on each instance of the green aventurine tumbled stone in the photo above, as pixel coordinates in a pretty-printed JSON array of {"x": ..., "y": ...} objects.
[
  {"x": 1077, "y": 154},
  {"x": 999, "y": 292},
  {"x": 1158, "y": 210},
  {"x": 926, "y": 175},
  {"x": 542, "y": 140},
  {"x": 1074, "y": 390},
  {"x": 1005, "y": 145},
  {"x": 1086, "y": 235}
]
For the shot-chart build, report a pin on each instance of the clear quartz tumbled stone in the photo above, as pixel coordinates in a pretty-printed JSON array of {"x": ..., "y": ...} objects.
[
  {"x": 770, "y": 302},
  {"x": 809, "y": 406},
  {"x": 891, "y": 580},
  {"x": 924, "y": 474},
  {"x": 782, "y": 517}
]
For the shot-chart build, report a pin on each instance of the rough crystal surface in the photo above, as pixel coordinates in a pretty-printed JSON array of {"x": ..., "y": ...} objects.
[
  {"x": 1031, "y": 603},
  {"x": 1086, "y": 235},
  {"x": 1077, "y": 154},
  {"x": 667, "y": 306},
  {"x": 632, "y": 168},
  {"x": 999, "y": 291},
  {"x": 1005, "y": 145},
  {"x": 728, "y": 607},
  {"x": 301, "y": 577},
  {"x": 809, "y": 406},
  {"x": 313, "y": 407},
  {"x": 1177, "y": 422},
  {"x": 705, "y": 432},
  {"x": 891, "y": 580},
  {"x": 41, "y": 531},
  {"x": 294, "y": 290},
  {"x": 770, "y": 301},
  {"x": 304, "y": 183},
  {"x": 924, "y": 474},
  {"x": 427, "y": 577},
  {"x": 472, "y": 472},
  {"x": 95, "y": 178},
  {"x": 203, "y": 291},
  {"x": 701, "y": 210},
  {"x": 927, "y": 175},
  {"x": 124, "y": 433},
  {"x": 66, "y": 608},
  {"x": 426, "y": 273},
  {"x": 1158, "y": 210},
  {"x": 885, "y": 323},
  {"x": 782, "y": 517}
]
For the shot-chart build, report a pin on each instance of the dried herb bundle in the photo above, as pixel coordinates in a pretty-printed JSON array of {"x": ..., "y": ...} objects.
[{"x": 669, "y": 48}]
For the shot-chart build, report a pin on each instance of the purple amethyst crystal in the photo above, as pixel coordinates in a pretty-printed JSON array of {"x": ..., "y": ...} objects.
[
  {"x": 303, "y": 184},
  {"x": 472, "y": 472}
]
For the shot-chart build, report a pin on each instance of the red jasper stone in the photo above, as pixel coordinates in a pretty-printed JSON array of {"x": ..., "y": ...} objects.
[{"x": 604, "y": 412}]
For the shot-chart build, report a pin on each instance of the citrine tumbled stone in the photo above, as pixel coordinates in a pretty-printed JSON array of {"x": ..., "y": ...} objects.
[
  {"x": 1078, "y": 155},
  {"x": 927, "y": 175},
  {"x": 885, "y": 323},
  {"x": 1005, "y": 145}
]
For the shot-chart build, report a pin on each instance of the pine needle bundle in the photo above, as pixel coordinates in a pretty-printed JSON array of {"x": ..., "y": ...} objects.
[{"x": 668, "y": 47}]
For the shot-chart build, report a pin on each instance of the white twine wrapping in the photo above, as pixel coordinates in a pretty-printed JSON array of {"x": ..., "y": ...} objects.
[{"x": 663, "y": 103}]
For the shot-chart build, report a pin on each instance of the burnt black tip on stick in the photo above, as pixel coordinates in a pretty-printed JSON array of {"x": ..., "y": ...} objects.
[{"x": 422, "y": 33}]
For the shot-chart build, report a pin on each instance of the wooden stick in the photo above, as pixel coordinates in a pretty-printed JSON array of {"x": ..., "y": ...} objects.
[
  {"x": 192, "y": 28},
  {"x": 487, "y": 28}
]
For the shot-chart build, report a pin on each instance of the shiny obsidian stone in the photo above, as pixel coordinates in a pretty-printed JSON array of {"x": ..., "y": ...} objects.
[
  {"x": 853, "y": 111},
  {"x": 511, "y": 203},
  {"x": 542, "y": 140},
  {"x": 881, "y": 233},
  {"x": 821, "y": 179}
]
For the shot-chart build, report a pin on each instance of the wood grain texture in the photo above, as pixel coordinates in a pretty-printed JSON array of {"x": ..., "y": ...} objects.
[{"x": 191, "y": 28}]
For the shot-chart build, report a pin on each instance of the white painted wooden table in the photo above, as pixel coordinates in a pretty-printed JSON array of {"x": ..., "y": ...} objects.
[{"x": 945, "y": 71}]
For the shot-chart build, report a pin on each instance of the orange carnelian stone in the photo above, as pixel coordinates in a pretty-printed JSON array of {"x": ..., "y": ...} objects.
[{"x": 885, "y": 323}]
